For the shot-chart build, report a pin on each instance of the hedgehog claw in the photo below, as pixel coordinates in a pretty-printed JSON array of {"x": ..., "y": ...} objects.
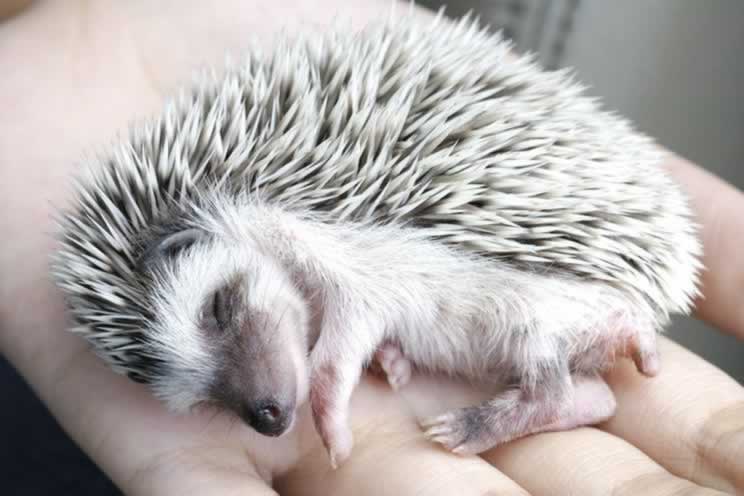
[{"x": 443, "y": 430}]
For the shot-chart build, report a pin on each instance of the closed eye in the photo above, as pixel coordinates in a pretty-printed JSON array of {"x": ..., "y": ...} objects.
[
  {"x": 216, "y": 313},
  {"x": 221, "y": 307}
]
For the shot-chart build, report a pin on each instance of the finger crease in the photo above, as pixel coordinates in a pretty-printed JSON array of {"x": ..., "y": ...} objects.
[
  {"x": 717, "y": 446},
  {"x": 661, "y": 483}
]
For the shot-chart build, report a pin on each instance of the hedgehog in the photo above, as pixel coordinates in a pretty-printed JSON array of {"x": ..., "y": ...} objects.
[{"x": 411, "y": 195}]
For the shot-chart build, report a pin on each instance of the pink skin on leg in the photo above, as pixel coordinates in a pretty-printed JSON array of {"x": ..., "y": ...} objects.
[
  {"x": 557, "y": 402},
  {"x": 514, "y": 414},
  {"x": 593, "y": 402},
  {"x": 329, "y": 413},
  {"x": 337, "y": 362},
  {"x": 330, "y": 393}
]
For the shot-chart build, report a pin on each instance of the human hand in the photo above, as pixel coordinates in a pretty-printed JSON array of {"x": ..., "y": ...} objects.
[{"x": 79, "y": 72}]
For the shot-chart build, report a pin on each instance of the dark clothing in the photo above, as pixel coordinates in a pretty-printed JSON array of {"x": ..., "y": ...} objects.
[{"x": 36, "y": 456}]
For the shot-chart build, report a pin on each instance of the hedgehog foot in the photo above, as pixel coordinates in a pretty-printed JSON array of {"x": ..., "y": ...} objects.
[
  {"x": 644, "y": 352},
  {"x": 337, "y": 363},
  {"x": 514, "y": 414},
  {"x": 636, "y": 340},
  {"x": 390, "y": 362},
  {"x": 329, "y": 398}
]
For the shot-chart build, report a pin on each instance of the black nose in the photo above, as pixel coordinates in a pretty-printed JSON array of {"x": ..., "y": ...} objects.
[{"x": 268, "y": 417}]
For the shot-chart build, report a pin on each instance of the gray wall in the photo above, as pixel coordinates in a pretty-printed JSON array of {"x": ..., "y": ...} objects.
[{"x": 673, "y": 66}]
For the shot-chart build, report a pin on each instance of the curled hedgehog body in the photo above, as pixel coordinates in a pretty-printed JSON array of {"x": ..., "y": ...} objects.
[{"x": 409, "y": 194}]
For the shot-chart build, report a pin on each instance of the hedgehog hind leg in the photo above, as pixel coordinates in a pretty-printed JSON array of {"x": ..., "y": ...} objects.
[
  {"x": 515, "y": 413},
  {"x": 593, "y": 402}
]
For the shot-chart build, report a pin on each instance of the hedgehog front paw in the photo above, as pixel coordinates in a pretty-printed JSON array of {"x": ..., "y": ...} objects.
[
  {"x": 394, "y": 365},
  {"x": 337, "y": 440},
  {"x": 330, "y": 414}
]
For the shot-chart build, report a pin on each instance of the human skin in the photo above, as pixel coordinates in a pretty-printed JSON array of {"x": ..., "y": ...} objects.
[{"x": 75, "y": 73}]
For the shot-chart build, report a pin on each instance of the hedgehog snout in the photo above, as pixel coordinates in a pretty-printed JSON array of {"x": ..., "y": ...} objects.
[
  {"x": 256, "y": 324},
  {"x": 270, "y": 416}
]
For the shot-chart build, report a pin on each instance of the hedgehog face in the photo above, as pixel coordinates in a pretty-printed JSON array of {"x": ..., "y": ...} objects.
[{"x": 229, "y": 329}]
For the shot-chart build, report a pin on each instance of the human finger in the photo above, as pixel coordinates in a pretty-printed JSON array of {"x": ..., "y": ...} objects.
[
  {"x": 719, "y": 209},
  {"x": 682, "y": 431},
  {"x": 587, "y": 461},
  {"x": 582, "y": 461},
  {"x": 690, "y": 418}
]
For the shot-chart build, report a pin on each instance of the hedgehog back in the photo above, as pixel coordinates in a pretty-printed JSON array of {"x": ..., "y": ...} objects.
[{"x": 435, "y": 125}]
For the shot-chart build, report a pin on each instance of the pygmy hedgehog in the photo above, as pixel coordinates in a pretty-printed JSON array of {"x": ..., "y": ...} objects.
[{"x": 409, "y": 194}]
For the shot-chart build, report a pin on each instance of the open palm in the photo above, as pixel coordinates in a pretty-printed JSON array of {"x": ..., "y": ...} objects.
[{"x": 75, "y": 73}]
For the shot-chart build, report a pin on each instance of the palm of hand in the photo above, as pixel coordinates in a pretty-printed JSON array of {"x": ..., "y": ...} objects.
[{"x": 79, "y": 77}]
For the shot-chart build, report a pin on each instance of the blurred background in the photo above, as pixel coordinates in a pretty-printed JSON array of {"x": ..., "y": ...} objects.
[{"x": 672, "y": 66}]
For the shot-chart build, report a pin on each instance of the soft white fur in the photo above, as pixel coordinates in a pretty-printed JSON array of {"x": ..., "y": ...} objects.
[
  {"x": 450, "y": 311},
  {"x": 182, "y": 345}
]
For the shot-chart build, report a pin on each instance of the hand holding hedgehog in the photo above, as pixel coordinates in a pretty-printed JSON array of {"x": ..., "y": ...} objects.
[
  {"x": 145, "y": 450},
  {"x": 409, "y": 191}
]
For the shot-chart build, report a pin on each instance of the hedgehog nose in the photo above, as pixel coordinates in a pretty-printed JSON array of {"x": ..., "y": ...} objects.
[{"x": 268, "y": 417}]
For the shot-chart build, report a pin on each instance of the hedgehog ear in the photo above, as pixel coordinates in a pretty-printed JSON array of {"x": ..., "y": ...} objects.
[{"x": 168, "y": 247}]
